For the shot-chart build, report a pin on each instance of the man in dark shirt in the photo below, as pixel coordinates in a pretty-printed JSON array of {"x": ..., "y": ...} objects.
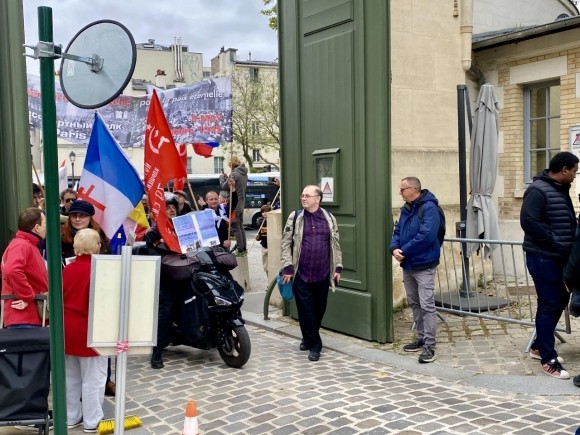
[
  {"x": 549, "y": 224},
  {"x": 312, "y": 258},
  {"x": 67, "y": 197}
]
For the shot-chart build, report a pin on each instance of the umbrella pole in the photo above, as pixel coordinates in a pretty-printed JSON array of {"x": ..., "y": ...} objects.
[{"x": 462, "y": 97}]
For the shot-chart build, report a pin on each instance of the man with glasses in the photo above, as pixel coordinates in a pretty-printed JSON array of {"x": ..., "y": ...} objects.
[
  {"x": 67, "y": 197},
  {"x": 312, "y": 259},
  {"x": 415, "y": 245},
  {"x": 549, "y": 223}
]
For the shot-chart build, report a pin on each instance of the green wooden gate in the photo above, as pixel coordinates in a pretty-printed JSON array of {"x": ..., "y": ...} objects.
[{"x": 335, "y": 115}]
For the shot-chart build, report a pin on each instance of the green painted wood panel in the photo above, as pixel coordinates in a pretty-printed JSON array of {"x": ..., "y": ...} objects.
[
  {"x": 334, "y": 69},
  {"x": 15, "y": 161}
]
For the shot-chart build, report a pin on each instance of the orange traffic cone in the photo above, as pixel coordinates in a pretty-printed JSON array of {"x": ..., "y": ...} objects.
[{"x": 190, "y": 426}]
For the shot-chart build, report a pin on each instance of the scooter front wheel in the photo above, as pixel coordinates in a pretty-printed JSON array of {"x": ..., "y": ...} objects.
[{"x": 235, "y": 346}]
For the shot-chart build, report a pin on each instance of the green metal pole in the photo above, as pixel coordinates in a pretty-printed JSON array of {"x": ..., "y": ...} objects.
[{"x": 53, "y": 225}]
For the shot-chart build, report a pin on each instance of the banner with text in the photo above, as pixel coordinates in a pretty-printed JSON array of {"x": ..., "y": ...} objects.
[{"x": 201, "y": 112}]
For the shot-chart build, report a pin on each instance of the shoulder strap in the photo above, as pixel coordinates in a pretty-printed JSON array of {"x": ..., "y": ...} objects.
[
  {"x": 421, "y": 211},
  {"x": 294, "y": 229}
]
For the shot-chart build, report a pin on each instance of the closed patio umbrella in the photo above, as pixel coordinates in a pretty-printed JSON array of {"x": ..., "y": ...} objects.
[{"x": 481, "y": 220}]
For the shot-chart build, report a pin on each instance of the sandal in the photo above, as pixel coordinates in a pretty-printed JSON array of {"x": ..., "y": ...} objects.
[{"x": 110, "y": 389}]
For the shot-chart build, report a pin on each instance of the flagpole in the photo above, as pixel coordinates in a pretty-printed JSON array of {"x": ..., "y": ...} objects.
[
  {"x": 264, "y": 220},
  {"x": 192, "y": 194},
  {"x": 37, "y": 178},
  {"x": 231, "y": 193}
]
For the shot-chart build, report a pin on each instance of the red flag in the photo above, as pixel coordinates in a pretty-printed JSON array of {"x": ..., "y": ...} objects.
[
  {"x": 179, "y": 183},
  {"x": 162, "y": 163}
]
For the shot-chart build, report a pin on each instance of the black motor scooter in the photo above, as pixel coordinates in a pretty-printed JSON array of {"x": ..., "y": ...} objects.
[{"x": 210, "y": 315}]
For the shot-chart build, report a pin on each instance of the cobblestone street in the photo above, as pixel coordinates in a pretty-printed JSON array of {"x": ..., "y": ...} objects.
[
  {"x": 481, "y": 382},
  {"x": 280, "y": 392}
]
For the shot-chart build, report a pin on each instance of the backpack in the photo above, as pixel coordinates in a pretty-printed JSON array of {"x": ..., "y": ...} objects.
[{"x": 442, "y": 228}]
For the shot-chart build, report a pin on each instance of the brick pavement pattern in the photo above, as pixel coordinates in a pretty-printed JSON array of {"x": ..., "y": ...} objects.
[{"x": 280, "y": 392}]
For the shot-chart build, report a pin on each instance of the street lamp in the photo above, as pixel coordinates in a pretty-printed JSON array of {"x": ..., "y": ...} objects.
[{"x": 72, "y": 157}]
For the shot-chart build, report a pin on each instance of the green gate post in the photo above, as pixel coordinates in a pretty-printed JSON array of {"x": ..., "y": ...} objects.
[
  {"x": 53, "y": 244},
  {"x": 15, "y": 168}
]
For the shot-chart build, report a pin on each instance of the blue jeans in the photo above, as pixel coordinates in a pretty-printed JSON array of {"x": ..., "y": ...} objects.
[{"x": 548, "y": 276}]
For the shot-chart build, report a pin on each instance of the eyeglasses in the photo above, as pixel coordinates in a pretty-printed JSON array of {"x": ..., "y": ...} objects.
[
  {"x": 402, "y": 189},
  {"x": 307, "y": 196},
  {"x": 70, "y": 200}
]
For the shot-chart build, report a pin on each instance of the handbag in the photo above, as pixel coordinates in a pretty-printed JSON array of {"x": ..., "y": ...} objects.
[
  {"x": 225, "y": 258},
  {"x": 285, "y": 289}
]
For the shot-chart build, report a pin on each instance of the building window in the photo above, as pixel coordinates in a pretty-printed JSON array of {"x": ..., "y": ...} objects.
[
  {"x": 256, "y": 157},
  {"x": 218, "y": 164},
  {"x": 255, "y": 129},
  {"x": 541, "y": 127},
  {"x": 254, "y": 74}
]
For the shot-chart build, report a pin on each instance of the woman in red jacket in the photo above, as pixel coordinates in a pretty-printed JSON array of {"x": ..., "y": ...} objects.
[
  {"x": 24, "y": 273},
  {"x": 86, "y": 370}
]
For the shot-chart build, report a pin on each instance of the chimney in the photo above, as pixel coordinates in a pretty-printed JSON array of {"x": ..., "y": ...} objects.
[{"x": 160, "y": 79}]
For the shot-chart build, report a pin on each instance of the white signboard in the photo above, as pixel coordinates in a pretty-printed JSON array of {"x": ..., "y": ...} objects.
[
  {"x": 575, "y": 140},
  {"x": 105, "y": 300},
  {"x": 196, "y": 229}
]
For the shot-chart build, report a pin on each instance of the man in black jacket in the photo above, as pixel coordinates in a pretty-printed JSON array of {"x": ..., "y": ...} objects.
[
  {"x": 221, "y": 217},
  {"x": 549, "y": 224}
]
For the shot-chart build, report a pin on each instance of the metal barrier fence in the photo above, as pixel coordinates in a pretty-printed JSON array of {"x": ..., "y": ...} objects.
[{"x": 498, "y": 288}]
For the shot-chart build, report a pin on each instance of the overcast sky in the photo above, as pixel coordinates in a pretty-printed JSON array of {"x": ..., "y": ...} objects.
[{"x": 203, "y": 25}]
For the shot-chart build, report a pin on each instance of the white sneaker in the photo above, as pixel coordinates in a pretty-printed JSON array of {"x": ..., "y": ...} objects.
[
  {"x": 535, "y": 354},
  {"x": 554, "y": 368},
  {"x": 72, "y": 426}
]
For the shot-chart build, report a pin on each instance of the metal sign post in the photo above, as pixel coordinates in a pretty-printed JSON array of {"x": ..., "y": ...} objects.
[{"x": 53, "y": 245}]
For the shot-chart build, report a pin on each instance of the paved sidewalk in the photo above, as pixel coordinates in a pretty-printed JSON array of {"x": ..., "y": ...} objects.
[
  {"x": 489, "y": 356},
  {"x": 280, "y": 392},
  {"x": 481, "y": 383},
  {"x": 485, "y": 352}
]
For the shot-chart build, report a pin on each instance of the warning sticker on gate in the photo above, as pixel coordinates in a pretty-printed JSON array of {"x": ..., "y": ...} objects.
[{"x": 327, "y": 187}]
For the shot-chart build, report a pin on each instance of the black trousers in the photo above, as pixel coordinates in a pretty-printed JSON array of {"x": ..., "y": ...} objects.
[
  {"x": 311, "y": 299},
  {"x": 171, "y": 294}
]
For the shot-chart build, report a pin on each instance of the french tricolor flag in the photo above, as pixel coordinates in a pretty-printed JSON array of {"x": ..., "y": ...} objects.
[{"x": 109, "y": 181}]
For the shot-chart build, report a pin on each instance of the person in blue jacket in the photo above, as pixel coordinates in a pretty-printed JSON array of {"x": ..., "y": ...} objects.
[{"x": 416, "y": 247}]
